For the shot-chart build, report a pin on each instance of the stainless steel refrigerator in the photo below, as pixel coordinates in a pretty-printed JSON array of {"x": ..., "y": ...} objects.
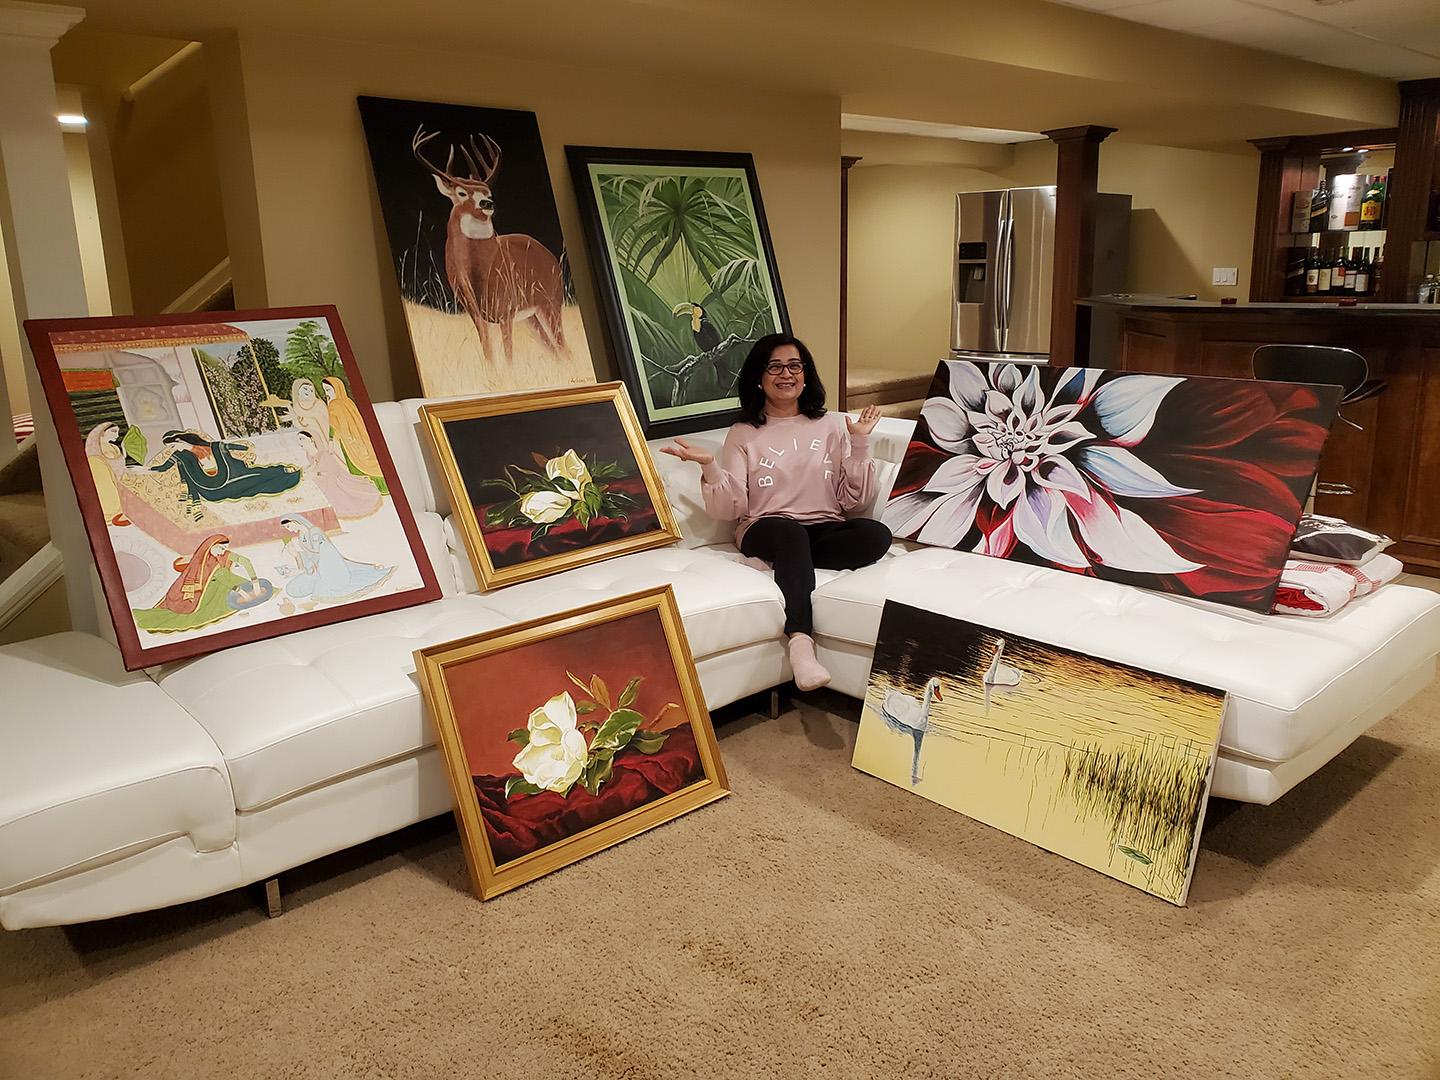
[{"x": 1004, "y": 262}]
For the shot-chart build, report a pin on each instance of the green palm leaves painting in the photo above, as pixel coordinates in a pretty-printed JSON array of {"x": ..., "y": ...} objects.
[{"x": 683, "y": 260}]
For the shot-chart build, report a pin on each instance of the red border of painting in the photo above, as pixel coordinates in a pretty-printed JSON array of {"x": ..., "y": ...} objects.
[{"x": 73, "y": 446}]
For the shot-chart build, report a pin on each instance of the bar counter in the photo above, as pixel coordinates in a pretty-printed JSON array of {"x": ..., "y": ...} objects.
[{"x": 1393, "y": 463}]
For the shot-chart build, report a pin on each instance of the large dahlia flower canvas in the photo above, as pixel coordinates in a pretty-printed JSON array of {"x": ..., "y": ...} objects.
[{"x": 1181, "y": 484}]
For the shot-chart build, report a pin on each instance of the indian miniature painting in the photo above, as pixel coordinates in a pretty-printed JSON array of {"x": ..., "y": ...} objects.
[{"x": 230, "y": 474}]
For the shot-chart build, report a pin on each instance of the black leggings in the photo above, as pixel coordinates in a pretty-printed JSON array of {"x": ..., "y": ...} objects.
[{"x": 796, "y": 550}]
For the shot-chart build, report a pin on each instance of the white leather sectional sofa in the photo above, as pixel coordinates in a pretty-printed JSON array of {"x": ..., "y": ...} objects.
[{"x": 122, "y": 791}]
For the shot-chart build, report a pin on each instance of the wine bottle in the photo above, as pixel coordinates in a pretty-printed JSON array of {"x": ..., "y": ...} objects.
[
  {"x": 1373, "y": 204},
  {"x": 1377, "y": 270},
  {"x": 1362, "y": 273},
  {"x": 1312, "y": 272},
  {"x": 1338, "y": 270},
  {"x": 1320, "y": 204},
  {"x": 1322, "y": 286}
]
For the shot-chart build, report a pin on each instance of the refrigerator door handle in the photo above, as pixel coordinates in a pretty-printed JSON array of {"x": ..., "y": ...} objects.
[{"x": 1002, "y": 272}]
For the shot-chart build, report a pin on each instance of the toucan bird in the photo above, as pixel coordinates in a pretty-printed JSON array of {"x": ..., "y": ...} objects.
[{"x": 706, "y": 336}]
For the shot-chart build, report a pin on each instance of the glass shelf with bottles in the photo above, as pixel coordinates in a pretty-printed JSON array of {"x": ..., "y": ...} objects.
[
  {"x": 1343, "y": 201},
  {"x": 1338, "y": 271}
]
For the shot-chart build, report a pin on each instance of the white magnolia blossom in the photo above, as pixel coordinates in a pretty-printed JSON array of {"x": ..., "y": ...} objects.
[
  {"x": 545, "y": 507},
  {"x": 555, "y": 756},
  {"x": 1031, "y": 459},
  {"x": 571, "y": 467}
]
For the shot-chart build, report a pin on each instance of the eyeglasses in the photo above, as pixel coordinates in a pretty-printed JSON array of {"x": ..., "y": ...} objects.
[{"x": 794, "y": 367}]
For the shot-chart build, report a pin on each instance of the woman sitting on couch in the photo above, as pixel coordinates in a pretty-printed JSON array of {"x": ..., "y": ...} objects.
[{"x": 788, "y": 472}]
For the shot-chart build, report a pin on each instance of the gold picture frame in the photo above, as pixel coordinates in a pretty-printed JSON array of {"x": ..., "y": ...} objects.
[
  {"x": 568, "y": 497},
  {"x": 515, "y": 837}
]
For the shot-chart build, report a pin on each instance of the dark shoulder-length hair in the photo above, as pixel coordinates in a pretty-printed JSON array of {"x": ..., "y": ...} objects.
[{"x": 752, "y": 395}]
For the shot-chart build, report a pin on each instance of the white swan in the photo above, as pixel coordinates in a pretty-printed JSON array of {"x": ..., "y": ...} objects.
[
  {"x": 999, "y": 674},
  {"x": 904, "y": 714}
]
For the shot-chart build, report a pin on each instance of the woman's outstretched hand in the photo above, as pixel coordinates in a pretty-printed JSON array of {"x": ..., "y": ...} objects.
[
  {"x": 685, "y": 452},
  {"x": 869, "y": 417}
]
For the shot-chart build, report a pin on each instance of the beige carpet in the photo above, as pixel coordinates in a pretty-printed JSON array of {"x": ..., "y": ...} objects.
[{"x": 817, "y": 923}]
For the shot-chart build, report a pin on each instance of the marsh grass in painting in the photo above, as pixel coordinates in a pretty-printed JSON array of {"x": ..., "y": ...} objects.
[{"x": 1103, "y": 763}]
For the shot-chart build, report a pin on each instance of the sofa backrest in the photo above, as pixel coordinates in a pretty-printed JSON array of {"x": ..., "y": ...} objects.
[{"x": 425, "y": 487}]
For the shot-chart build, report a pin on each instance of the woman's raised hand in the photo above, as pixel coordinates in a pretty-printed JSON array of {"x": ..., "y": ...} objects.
[
  {"x": 869, "y": 417},
  {"x": 685, "y": 452}
]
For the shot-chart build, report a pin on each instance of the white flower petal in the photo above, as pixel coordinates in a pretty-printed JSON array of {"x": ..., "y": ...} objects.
[
  {"x": 949, "y": 424},
  {"x": 1043, "y": 524},
  {"x": 1121, "y": 472},
  {"x": 1007, "y": 378},
  {"x": 1123, "y": 540},
  {"x": 967, "y": 383},
  {"x": 1075, "y": 386},
  {"x": 951, "y": 518},
  {"x": 1064, "y": 438},
  {"x": 561, "y": 711},
  {"x": 1126, "y": 406},
  {"x": 998, "y": 408},
  {"x": 1028, "y": 398},
  {"x": 1005, "y": 483},
  {"x": 904, "y": 514},
  {"x": 1061, "y": 474},
  {"x": 959, "y": 473}
]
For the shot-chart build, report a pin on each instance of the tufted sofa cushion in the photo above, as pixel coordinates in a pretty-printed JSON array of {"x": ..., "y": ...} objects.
[
  {"x": 1290, "y": 680},
  {"x": 118, "y": 770}
]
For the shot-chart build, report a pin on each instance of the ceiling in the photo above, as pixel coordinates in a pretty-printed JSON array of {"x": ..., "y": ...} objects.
[
  {"x": 1395, "y": 39},
  {"x": 1019, "y": 66},
  {"x": 892, "y": 126}
]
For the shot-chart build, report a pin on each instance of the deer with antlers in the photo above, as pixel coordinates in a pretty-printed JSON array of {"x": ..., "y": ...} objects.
[{"x": 497, "y": 279}]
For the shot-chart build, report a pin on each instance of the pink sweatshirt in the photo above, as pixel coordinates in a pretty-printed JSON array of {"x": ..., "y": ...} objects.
[{"x": 795, "y": 467}]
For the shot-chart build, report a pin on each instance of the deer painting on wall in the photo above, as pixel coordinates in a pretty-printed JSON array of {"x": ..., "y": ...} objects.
[
  {"x": 482, "y": 269},
  {"x": 498, "y": 279}
]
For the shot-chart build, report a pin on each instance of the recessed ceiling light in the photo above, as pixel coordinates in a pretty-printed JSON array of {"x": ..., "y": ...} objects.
[
  {"x": 72, "y": 120},
  {"x": 1346, "y": 149}
]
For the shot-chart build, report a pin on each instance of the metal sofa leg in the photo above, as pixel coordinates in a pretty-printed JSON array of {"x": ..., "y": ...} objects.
[
  {"x": 774, "y": 703},
  {"x": 273, "y": 905}
]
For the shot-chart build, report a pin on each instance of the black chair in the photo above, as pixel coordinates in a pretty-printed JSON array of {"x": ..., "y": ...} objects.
[{"x": 1331, "y": 365}]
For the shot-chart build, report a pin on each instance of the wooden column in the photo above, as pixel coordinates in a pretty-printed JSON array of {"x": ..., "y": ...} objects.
[
  {"x": 847, "y": 162},
  {"x": 1272, "y": 216},
  {"x": 1417, "y": 158},
  {"x": 1077, "y": 173}
]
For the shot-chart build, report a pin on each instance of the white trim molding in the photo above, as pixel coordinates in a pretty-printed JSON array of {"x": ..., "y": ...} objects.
[
  {"x": 28, "y": 584},
  {"x": 45, "y": 22}
]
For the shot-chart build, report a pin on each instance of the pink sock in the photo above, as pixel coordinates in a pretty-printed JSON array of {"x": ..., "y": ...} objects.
[{"x": 810, "y": 674}]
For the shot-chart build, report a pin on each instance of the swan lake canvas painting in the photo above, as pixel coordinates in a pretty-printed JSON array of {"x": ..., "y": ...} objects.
[
  {"x": 565, "y": 735},
  {"x": 1185, "y": 485},
  {"x": 1106, "y": 764},
  {"x": 230, "y": 474}
]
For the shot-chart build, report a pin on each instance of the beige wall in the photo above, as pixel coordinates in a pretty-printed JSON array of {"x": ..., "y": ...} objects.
[
  {"x": 1192, "y": 210},
  {"x": 167, "y": 183},
  {"x": 321, "y": 236}
]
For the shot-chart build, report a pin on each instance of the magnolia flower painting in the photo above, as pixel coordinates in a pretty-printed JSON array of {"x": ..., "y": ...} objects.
[
  {"x": 548, "y": 767},
  {"x": 1181, "y": 484},
  {"x": 547, "y": 481}
]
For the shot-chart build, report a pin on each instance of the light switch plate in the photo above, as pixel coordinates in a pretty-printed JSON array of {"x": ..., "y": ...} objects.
[{"x": 1223, "y": 275}]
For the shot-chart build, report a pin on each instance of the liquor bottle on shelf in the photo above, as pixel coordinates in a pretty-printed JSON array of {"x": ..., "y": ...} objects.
[
  {"x": 1312, "y": 272},
  {"x": 1377, "y": 270},
  {"x": 1339, "y": 268},
  {"x": 1295, "y": 262},
  {"x": 1372, "y": 205},
  {"x": 1300, "y": 212},
  {"x": 1319, "y": 204},
  {"x": 1322, "y": 287},
  {"x": 1354, "y": 196}
]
